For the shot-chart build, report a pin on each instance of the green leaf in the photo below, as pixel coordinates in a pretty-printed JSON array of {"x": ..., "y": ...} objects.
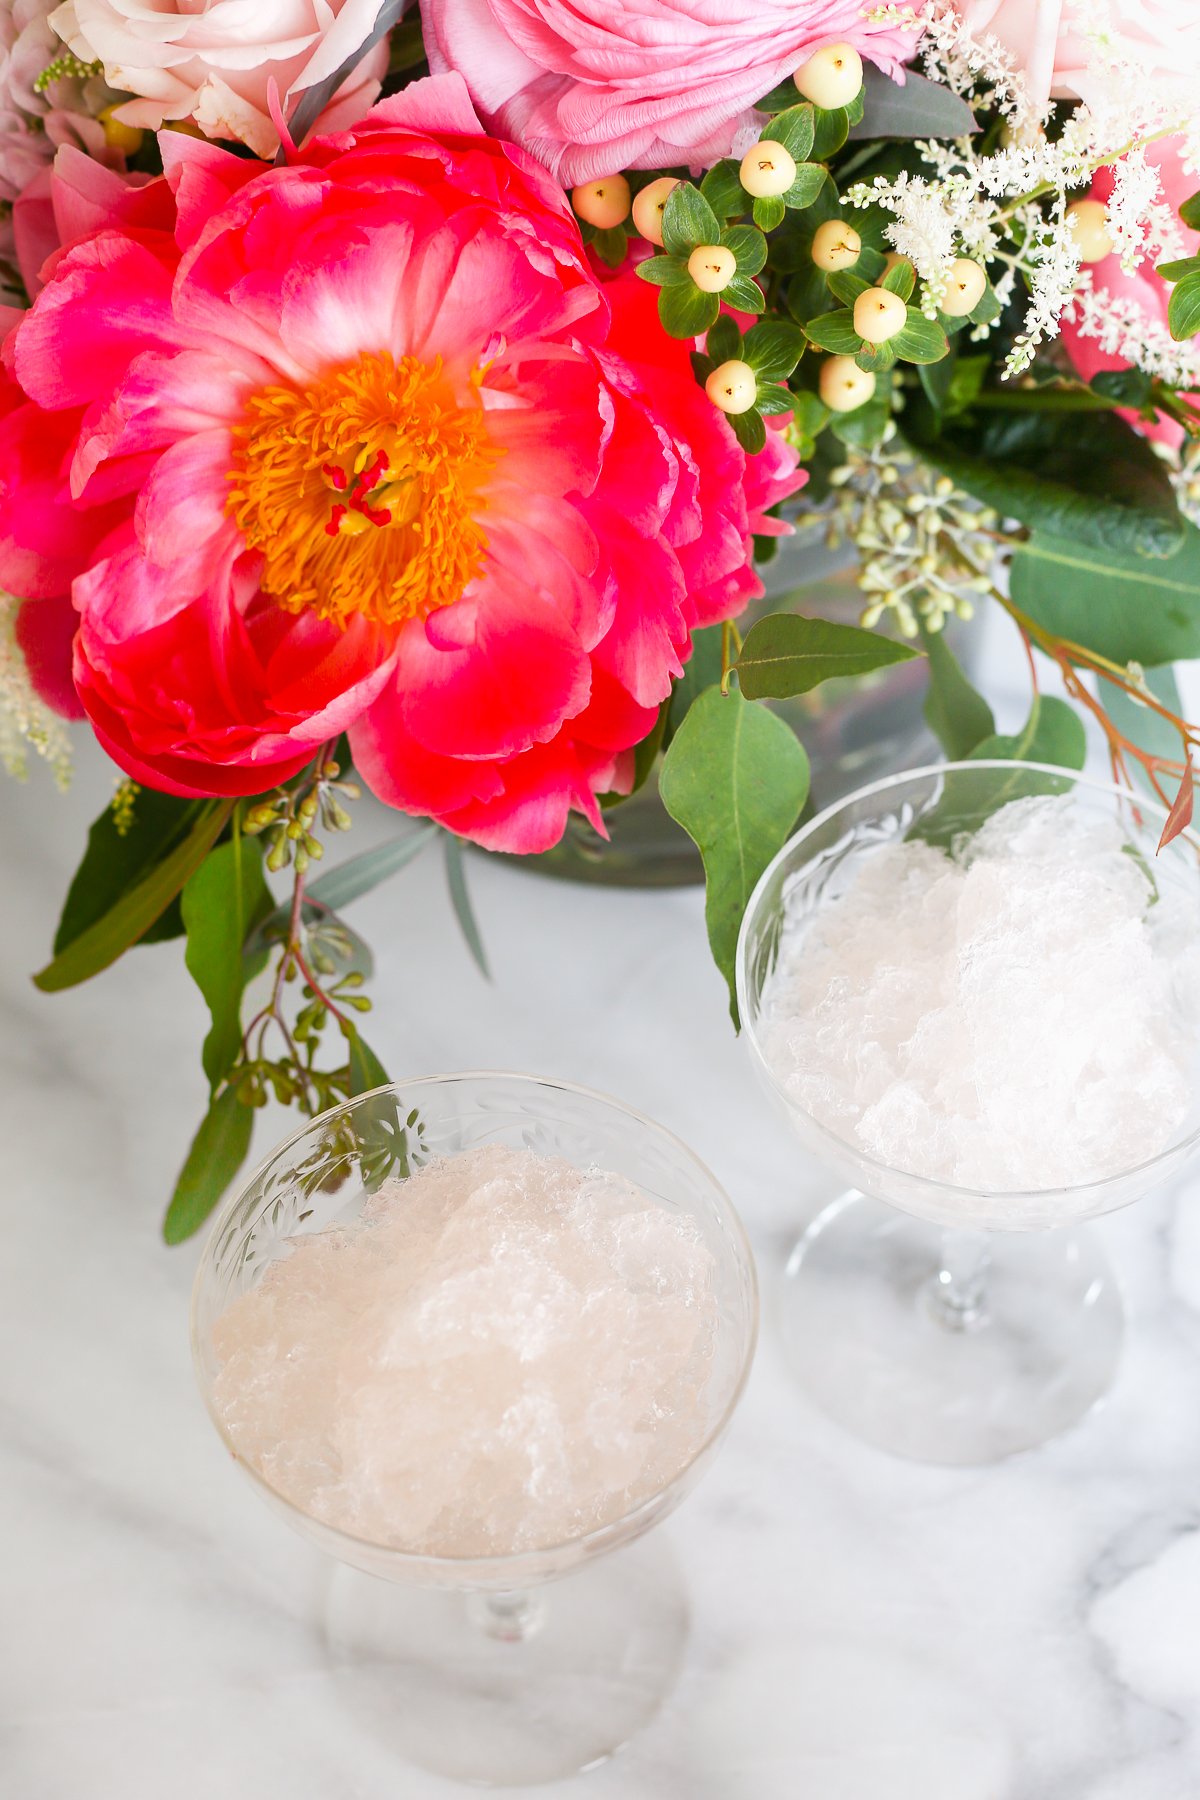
[
  {"x": 794, "y": 129},
  {"x": 138, "y": 906},
  {"x": 1183, "y": 308},
  {"x": 612, "y": 246},
  {"x": 1052, "y": 733},
  {"x": 986, "y": 308},
  {"x": 464, "y": 912},
  {"x": 688, "y": 220},
  {"x": 724, "y": 340},
  {"x": 647, "y": 752},
  {"x": 832, "y": 129},
  {"x": 113, "y": 862},
  {"x": 773, "y": 400},
  {"x": 223, "y": 901},
  {"x": 773, "y": 349},
  {"x": 786, "y": 94},
  {"x": 846, "y": 286},
  {"x": 768, "y": 212},
  {"x": 936, "y": 380},
  {"x": 877, "y": 359},
  {"x": 749, "y": 247},
  {"x": 744, "y": 294},
  {"x": 735, "y": 778},
  {"x": 1127, "y": 608},
  {"x": 722, "y": 188},
  {"x": 686, "y": 312},
  {"x": 921, "y": 341},
  {"x": 1143, "y": 727},
  {"x": 919, "y": 109},
  {"x": 958, "y": 716},
  {"x": 218, "y": 1151},
  {"x": 1103, "y": 485},
  {"x": 359, "y": 874},
  {"x": 664, "y": 271},
  {"x": 807, "y": 294},
  {"x": 1178, "y": 271},
  {"x": 701, "y": 671},
  {"x": 835, "y": 331},
  {"x": 749, "y": 430},
  {"x": 900, "y": 279},
  {"x": 1189, "y": 212},
  {"x": 864, "y": 427},
  {"x": 808, "y": 184},
  {"x": 366, "y": 1070},
  {"x": 785, "y": 654}
]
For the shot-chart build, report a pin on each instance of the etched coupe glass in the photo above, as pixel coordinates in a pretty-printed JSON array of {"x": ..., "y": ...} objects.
[
  {"x": 973, "y": 991},
  {"x": 471, "y": 1335}
]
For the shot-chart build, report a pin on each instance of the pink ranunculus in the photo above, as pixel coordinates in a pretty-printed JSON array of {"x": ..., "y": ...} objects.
[
  {"x": 213, "y": 62},
  {"x": 1046, "y": 39},
  {"x": 34, "y": 124},
  {"x": 590, "y": 86},
  {"x": 1144, "y": 290},
  {"x": 361, "y": 444}
]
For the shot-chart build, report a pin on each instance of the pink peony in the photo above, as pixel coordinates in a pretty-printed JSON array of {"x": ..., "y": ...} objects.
[
  {"x": 33, "y": 124},
  {"x": 361, "y": 443},
  {"x": 213, "y": 61},
  {"x": 1050, "y": 48},
  {"x": 1144, "y": 290},
  {"x": 590, "y": 86}
]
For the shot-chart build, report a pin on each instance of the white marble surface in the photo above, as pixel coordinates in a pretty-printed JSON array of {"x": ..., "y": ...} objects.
[{"x": 862, "y": 1629}]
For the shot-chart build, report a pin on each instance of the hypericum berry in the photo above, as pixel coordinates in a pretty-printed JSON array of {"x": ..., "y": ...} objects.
[
  {"x": 1090, "y": 220},
  {"x": 892, "y": 258},
  {"x": 767, "y": 170},
  {"x": 602, "y": 203},
  {"x": 831, "y": 77},
  {"x": 842, "y": 385},
  {"x": 118, "y": 135},
  {"x": 835, "y": 245},
  {"x": 648, "y": 207},
  {"x": 733, "y": 387},
  {"x": 712, "y": 267},
  {"x": 879, "y": 315},
  {"x": 964, "y": 289}
]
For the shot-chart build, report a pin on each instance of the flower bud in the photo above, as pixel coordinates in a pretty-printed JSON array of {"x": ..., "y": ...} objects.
[
  {"x": 1089, "y": 219},
  {"x": 842, "y": 385},
  {"x": 733, "y": 387},
  {"x": 879, "y": 315},
  {"x": 767, "y": 170},
  {"x": 648, "y": 207},
  {"x": 603, "y": 203},
  {"x": 965, "y": 288},
  {"x": 712, "y": 267},
  {"x": 830, "y": 77},
  {"x": 835, "y": 245}
]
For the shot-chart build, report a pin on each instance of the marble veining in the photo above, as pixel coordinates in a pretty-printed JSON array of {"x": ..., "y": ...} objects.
[{"x": 862, "y": 1629}]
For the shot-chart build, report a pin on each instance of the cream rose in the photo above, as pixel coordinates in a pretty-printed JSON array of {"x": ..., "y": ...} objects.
[{"x": 212, "y": 60}]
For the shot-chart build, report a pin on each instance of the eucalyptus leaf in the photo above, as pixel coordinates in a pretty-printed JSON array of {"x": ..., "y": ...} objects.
[
  {"x": 1126, "y": 607},
  {"x": 346, "y": 881},
  {"x": 1053, "y": 733},
  {"x": 315, "y": 99},
  {"x": 139, "y": 905},
  {"x": 735, "y": 778},
  {"x": 1140, "y": 724},
  {"x": 919, "y": 109},
  {"x": 218, "y": 1151},
  {"x": 786, "y": 654},
  {"x": 959, "y": 716},
  {"x": 456, "y": 877},
  {"x": 223, "y": 901}
]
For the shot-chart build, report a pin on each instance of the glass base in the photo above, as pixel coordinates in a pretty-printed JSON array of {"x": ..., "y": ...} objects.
[
  {"x": 868, "y": 1336},
  {"x": 511, "y": 1690}
]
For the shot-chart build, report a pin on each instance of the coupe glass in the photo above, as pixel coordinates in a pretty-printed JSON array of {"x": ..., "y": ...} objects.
[
  {"x": 467, "y": 1666},
  {"x": 942, "y": 1324}
]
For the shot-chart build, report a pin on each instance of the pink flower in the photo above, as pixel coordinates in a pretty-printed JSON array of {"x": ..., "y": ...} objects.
[
  {"x": 213, "y": 61},
  {"x": 33, "y": 124},
  {"x": 361, "y": 444},
  {"x": 1144, "y": 290},
  {"x": 590, "y": 86},
  {"x": 1049, "y": 46}
]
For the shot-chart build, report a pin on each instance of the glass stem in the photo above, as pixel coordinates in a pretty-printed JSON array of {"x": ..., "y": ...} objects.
[
  {"x": 509, "y": 1617},
  {"x": 957, "y": 1292}
]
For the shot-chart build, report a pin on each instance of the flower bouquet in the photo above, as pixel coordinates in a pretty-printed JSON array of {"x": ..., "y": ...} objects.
[{"x": 403, "y": 399}]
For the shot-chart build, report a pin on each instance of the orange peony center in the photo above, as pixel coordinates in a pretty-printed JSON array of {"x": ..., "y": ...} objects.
[{"x": 362, "y": 491}]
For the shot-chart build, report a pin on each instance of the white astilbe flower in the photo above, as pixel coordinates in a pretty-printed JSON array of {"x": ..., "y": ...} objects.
[
  {"x": 25, "y": 722},
  {"x": 1122, "y": 328}
]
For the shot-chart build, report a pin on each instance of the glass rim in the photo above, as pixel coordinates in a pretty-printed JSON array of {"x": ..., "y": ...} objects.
[
  {"x": 486, "y": 1565},
  {"x": 948, "y": 1190}
]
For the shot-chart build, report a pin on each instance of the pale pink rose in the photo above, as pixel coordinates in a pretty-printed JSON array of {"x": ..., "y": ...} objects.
[
  {"x": 1051, "y": 50},
  {"x": 1144, "y": 289},
  {"x": 590, "y": 86},
  {"x": 212, "y": 60},
  {"x": 32, "y": 124}
]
